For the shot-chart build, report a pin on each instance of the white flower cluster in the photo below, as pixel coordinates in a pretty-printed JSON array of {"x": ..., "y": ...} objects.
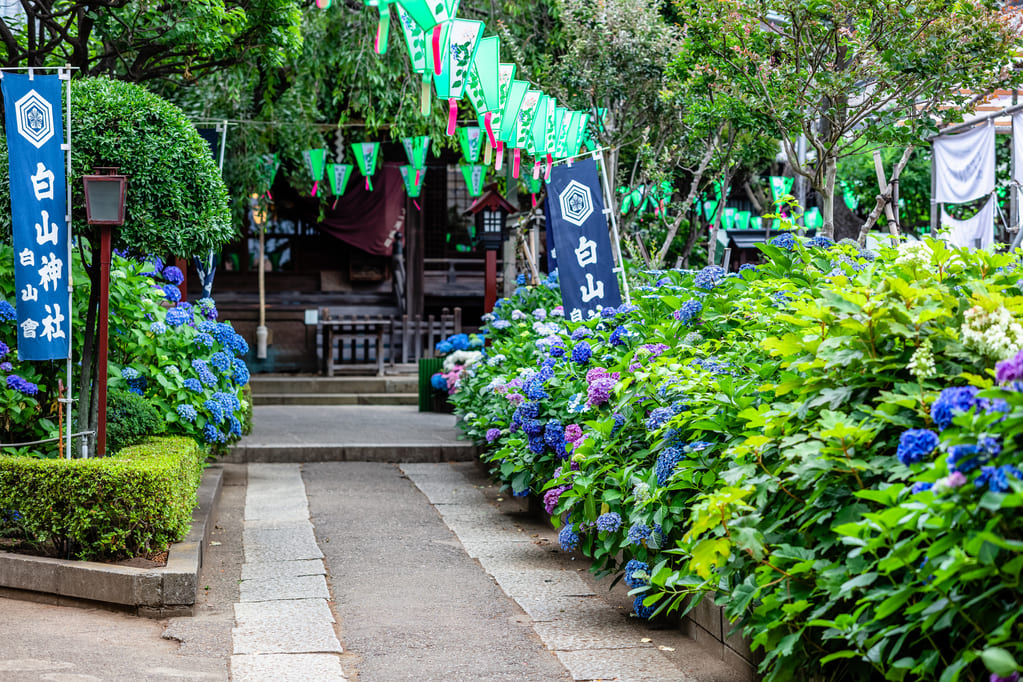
[
  {"x": 921, "y": 365},
  {"x": 496, "y": 360},
  {"x": 917, "y": 254},
  {"x": 995, "y": 333},
  {"x": 461, "y": 357}
]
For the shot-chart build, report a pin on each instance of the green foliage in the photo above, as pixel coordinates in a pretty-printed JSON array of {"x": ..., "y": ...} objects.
[
  {"x": 141, "y": 41},
  {"x": 749, "y": 446},
  {"x": 130, "y": 420},
  {"x": 131, "y": 504}
]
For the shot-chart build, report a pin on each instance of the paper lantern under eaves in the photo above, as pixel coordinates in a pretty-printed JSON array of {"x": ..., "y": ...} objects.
[
  {"x": 475, "y": 177},
  {"x": 780, "y": 186},
  {"x": 742, "y": 219},
  {"x": 314, "y": 163},
  {"x": 412, "y": 178},
  {"x": 484, "y": 85},
  {"x": 338, "y": 174},
  {"x": 470, "y": 139},
  {"x": 728, "y": 217},
  {"x": 415, "y": 150},
  {"x": 457, "y": 53},
  {"x": 510, "y": 111},
  {"x": 268, "y": 165},
  {"x": 366, "y": 158},
  {"x": 431, "y": 16},
  {"x": 416, "y": 43}
]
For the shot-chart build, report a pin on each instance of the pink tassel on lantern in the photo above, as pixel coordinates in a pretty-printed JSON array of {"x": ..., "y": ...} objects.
[
  {"x": 550, "y": 164},
  {"x": 500, "y": 156},
  {"x": 452, "y": 115},
  {"x": 533, "y": 197},
  {"x": 316, "y": 187},
  {"x": 334, "y": 205},
  {"x": 436, "y": 49},
  {"x": 516, "y": 161},
  {"x": 488, "y": 124},
  {"x": 416, "y": 204},
  {"x": 367, "y": 185},
  {"x": 536, "y": 170}
]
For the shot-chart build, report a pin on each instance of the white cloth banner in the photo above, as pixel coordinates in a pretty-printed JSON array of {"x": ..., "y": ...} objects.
[
  {"x": 964, "y": 165},
  {"x": 977, "y": 232}
]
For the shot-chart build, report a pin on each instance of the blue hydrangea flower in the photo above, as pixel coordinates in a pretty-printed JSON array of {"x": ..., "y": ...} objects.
[
  {"x": 439, "y": 382},
  {"x": 966, "y": 458},
  {"x": 619, "y": 420},
  {"x": 229, "y": 401},
  {"x": 639, "y": 533},
  {"x": 689, "y": 311},
  {"x": 444, "y": 347},
  {"x": 207, "y": 308},
  {"x": 193, "y": 385},
  {"x": 785, "y": 240},
  {"x": 920, "y": 486},
  {"x": 953, "y": 401},
  {"x": 520, "y": 279},
  {"x": 203, "y": 370},
  {"x": 215, "y": 409},
  {"x": 637, "y": 573},
  {"x": 187, "y": 412},
  {"x": 915, "y": 445},
  {"x": 997, "y": 478},
  {"x": 529, "y": 410},
  {"x": 173, "y": 275},
  {"x": 609, "y": 522},
  {"x": 658, "y": 417},
  {"x": 4, "y": 350},
  {"x": 171, "y": 293},
  {"x": 204, "y": 340},
  {"x": 747, "y": 266},
  {"x": 642, "y": 611},
  {"x": 709, "y": 277},
  {"x": 554, "y": 436},
  {"x": 179, "y": 316},
  {"x": 820, "y": 241},
  {"x": 207, "y": 327},
  {"x": 7, "y": 312},
  {"x": 580, "y": 333},
  {"x": 619, "y": 335},
  {"x": 535, "y": 390},
  {"x": 459, "y": 341},
  {"x": 608, "y": 312},
  {"x": 158, "y": 327},
  {"x": 6, "y": 367},
  {"x": 581, "y": 353},
  {"x": 666, "y": 463},
  {"x": 221, "y": 361},
  {"x": 240, "y": 373},
  {"x": 568, "y": 538},
  {"x": 537, "y": 445},
  {"x": 212, "y": 434},
  {"x": 501, "y": 324},
  {"x": 22, "y": 385},
  {"x": 236, "y": 427}
]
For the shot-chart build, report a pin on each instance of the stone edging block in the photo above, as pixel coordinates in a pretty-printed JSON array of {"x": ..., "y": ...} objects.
[{"x": 153, "y": 592}]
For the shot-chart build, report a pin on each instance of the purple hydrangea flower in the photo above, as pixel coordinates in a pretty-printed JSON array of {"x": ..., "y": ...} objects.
[
  {"x": 493, "y": 434},
  {"x": 4, "y": 350},
  {"x": 689, "y": 311},
  {"x": 551, "y": 497},
  {"x": 6, "y": 367},
  {"x": 581, "y": 353},
  {"x": 171, "y": 292},
  {"x": 1010, "y": 370},
  {"x": 21, "y": 385},
  {"x": 173, "y": 274}
]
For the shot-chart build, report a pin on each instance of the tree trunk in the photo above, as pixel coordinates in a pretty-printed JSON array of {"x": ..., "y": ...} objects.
[
  {"x": 694, "y": 187},
  {"x": 712, "y": 238}
]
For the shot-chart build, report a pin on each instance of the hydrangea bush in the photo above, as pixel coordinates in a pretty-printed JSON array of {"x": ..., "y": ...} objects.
[
  {"x": 825, "y": 444},
  {"x": 175, "y": 354}
]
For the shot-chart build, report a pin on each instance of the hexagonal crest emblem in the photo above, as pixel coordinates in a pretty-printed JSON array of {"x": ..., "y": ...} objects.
[
  {"x": 576, "y": 203},
  {"x": 35, "y": 118}
]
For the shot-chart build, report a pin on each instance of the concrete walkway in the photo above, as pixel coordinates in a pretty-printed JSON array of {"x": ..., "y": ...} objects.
[{"x": 371, "y": 572}]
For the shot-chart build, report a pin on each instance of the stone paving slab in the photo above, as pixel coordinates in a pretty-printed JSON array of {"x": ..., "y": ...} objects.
[
  {"x": 590, "y": 629},
  {"x": 630, "y": 665},
  {"x": 297, "y": 626},
  {"x": 560, "y": 608},
  {"x": 540, "y": 583},
  {"x": 494, "y": 550},
  {"x": 282, "y": 569},
  {"x": 280, "y": 543},
  {"x": 286, "y": 667},
  {"x": 291, "y": 587}
]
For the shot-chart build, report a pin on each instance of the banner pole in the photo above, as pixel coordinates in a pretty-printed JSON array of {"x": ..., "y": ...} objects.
[
  {"x": 65, "y": 75},
  {"x": 610, "y": 208}
]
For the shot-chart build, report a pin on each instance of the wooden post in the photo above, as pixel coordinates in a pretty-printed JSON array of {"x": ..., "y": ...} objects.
[
  {"x": 490, "y": 288},
  {"x": 182, "y": 264},
  {"x": 104, "y": 329}
]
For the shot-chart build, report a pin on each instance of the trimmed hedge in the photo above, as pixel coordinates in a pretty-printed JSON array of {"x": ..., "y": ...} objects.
[{"x": 130, "y": 504}]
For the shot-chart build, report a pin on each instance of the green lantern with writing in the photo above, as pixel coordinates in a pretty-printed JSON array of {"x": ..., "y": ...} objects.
[{"x": 366, "y": 158}]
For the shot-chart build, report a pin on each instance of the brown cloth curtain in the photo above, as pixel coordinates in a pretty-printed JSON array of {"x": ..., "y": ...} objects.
[{"x": 367, "y": 220}]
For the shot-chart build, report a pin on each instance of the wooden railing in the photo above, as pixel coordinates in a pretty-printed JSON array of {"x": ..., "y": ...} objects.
[{"x": 359, "y": 342}]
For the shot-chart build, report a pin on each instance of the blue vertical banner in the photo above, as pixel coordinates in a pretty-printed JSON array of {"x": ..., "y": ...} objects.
[
  {"x": 575, "y": 218},
  {"x": 35, "y": 134}
]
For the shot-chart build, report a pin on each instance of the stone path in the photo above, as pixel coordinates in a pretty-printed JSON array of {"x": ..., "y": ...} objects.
[{"x": 284, "y": 626}]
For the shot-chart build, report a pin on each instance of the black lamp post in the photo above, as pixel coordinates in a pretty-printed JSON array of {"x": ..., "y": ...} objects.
[
  {"x": 104, "y": 207},
  {"x": 491, "y": 211}
]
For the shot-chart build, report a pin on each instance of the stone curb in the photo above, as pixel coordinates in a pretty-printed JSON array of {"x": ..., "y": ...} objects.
[
  {"x": 151, "y": 592},
  {"x": 392, "y": 454}
]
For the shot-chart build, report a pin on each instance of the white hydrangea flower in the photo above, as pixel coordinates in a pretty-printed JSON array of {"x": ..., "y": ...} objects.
[
  {"x": 497, "y": 360},
  {"x": 917, "y": 254},
  {"x": 921, "y": 365},
  {"x": 995, "y": 333},
  {"x": 461, "y": 357}
]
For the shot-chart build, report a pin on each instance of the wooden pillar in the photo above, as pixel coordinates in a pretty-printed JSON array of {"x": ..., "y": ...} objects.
[
  {"x": 182, "y": 264},
  {"x": 490, "y": 290}
]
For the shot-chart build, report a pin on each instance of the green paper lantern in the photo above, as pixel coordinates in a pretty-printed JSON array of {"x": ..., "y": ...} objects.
[
  {"x": 471, "y": 142},
  {"x": 314, "y": 163},
  {"x": 338, "y": 174},
  {"x": 510, "y": 111},
  {"x": 562, "y": 118},
  {"x": 475, "y": 177},
  {"x": 709, "y": 208},
  {"x": 268, "y": 165},
  {"x": 484, "y": 85},
  {"x": 812, "y": 219},
  {"x": 728, "y": 217},
  {"x": 533, "y": 185},
  {"x": 383, "y": 23},
  {"x": 742, "y": 219},
  {"x": 415, "y": 150},
  {"x": 366, "y": 157},
  {"x": 457, "y": 52},
  {"x": 780, "y": 187},
  {"x": 415, "y": 42},
  {"x": 536, "y": 140},
  {"x": 576, "y": 131},
  {"x": 428, "y": 13},
  {"x": 412, "y": 178},
  {"x": 756, "y": 223},
  {"x": 524, "y": 119}
]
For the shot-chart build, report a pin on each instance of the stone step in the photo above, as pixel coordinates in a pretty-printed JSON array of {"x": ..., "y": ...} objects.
[
  {"x": 323, "y": 385},
  {"x": 298, "y": 398},
  {"x": 403, "y": 452}
]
